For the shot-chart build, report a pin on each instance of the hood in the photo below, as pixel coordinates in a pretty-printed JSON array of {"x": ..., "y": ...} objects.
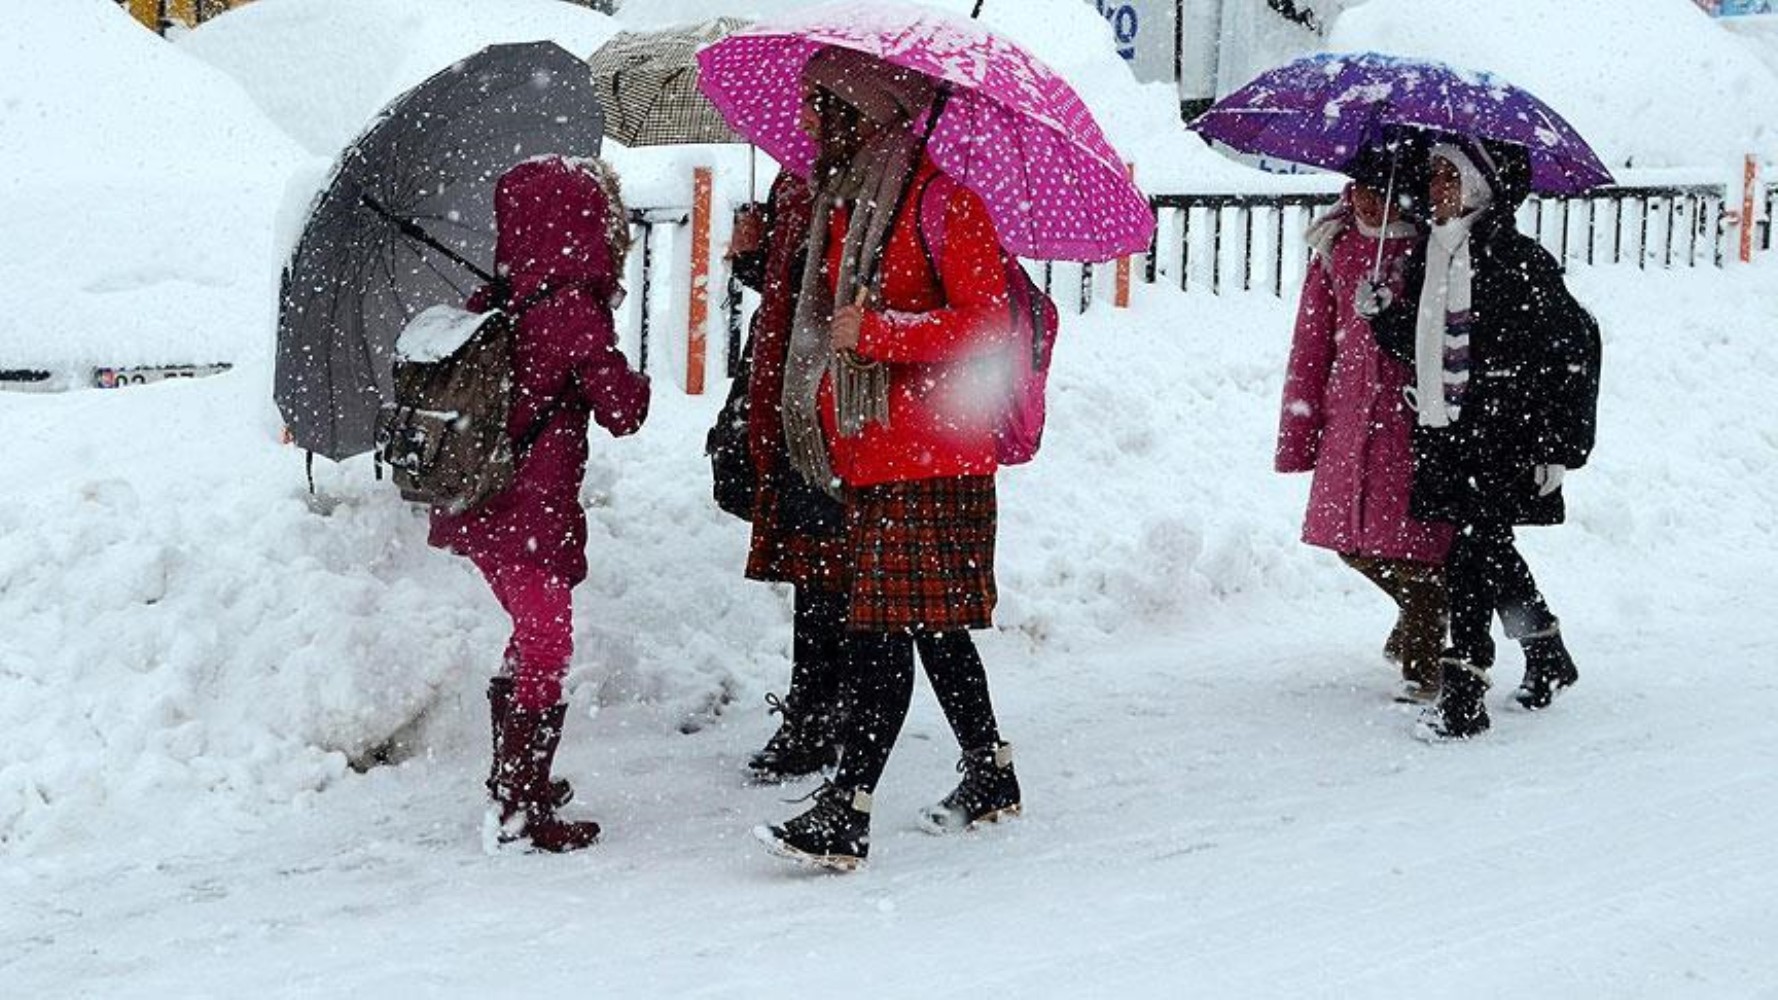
[{"x": 555, "y": 223}]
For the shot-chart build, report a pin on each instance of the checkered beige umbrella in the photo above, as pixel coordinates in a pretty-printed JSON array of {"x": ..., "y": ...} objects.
[{"x": 649, "y": 83}]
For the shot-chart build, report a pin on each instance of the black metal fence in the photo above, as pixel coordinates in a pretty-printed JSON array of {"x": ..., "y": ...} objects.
[{"x": 1244, "y": 242}]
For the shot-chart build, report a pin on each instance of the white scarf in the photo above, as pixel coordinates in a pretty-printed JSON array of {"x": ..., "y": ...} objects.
[{"x": 1441, "y": 325}]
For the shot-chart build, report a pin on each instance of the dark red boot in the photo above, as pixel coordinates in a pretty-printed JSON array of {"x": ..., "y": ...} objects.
[
  {"x": 499, "y": 703},
  {"x": 525, "y": 748}
]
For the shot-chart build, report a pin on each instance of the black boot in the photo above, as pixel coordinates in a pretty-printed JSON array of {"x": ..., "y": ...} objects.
[
  {"x": 833, "y": 834},
  {"x": 804, "y": 743},
  {"x": 499, "y": 703},
  {"x": 1548, "y": 671},
  {"x": 525, "y": 750},
  {"x": 1459, "y": 712},
  {"x": 988, "y": 793}
]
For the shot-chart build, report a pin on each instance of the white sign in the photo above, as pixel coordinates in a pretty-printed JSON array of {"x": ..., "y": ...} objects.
[{"x": 1146, "y": 34}]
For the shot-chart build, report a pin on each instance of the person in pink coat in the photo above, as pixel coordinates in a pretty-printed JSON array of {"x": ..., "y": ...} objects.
[
  {"x": 562, "y": 235},
  {"x": 1345, "y": 419}
]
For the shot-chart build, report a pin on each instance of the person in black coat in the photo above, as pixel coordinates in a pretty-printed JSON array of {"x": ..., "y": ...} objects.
[{"x": 1506, "y": 381}]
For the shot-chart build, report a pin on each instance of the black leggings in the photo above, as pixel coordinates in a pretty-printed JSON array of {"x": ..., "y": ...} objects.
[
  {"x": 880, "y": 686},
  {"x": 818, "y": 650},
  {"x": 1485, "y": 573}
]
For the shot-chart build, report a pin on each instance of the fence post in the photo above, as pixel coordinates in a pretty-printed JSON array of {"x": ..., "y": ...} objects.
[
  {"x": 698, "y": 312},
  {"x": 1749, "y": 181}
]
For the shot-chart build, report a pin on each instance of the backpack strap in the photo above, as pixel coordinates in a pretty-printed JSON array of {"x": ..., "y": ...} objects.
[
  {"x": 933, "y": 223},
  {"x": 539, "y": 423}
]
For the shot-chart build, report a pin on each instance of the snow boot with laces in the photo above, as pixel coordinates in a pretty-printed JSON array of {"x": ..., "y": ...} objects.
[
  {"x": 524, "y": 797},
  {"x": 988, "y": 793},
  {"x": 1549, "y": 670},
  {"x": 499, "y": 703},
  {"x": 834, "y": 834},
  {"x": 804, "y": 744},
  {"x": 1459, "y": 712}
]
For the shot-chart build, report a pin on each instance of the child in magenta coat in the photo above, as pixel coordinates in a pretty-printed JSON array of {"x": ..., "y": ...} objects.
[{"x": 562, "y": 235}]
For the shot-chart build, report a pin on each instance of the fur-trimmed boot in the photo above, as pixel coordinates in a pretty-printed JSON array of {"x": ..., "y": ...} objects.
[
  {"x": 833, "y": 834},
  {"x": 988, "y": 793},
  {"x": 1459, "y": 713},
  {"x": 1549, "y": 670},
  {"x": 524, "y": 799},
  {"x": 499, "y": 703}
]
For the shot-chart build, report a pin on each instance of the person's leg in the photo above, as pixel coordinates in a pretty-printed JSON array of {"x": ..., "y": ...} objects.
[
  {"x": 961, "y": 683},
  {"x": 541, "y": 606},
  {"x": 1469, "y": 581},
  {"x": 989, "y": 790},
  {"x": 1527, "y": 618},
  {"x": 821, "y": 644},
  {"x": 1522, "y": 609},
  {"x": 527, "y": 735},
  {"x": 1459, "y": 712},
  {"x": 1423, "y": 621},
  {"x": 835, "y": 831},
  {"x": 1373, "y": 570},
  {"x": 808, "y": 738},
  {"x": 1418, "y": 590},
  {"x": 880, "y": 686}
]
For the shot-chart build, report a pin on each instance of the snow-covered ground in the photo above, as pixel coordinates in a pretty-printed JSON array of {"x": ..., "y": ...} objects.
[{"x": 1222, "y": 801}]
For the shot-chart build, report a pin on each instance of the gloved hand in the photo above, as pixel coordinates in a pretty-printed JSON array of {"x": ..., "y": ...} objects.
[
  {"x": 1548, "y": 478},
  {"x": 1371, "y": 299}
]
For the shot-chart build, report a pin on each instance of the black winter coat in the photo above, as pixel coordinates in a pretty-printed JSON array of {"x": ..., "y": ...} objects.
[{"x": 1533, "y": 389}]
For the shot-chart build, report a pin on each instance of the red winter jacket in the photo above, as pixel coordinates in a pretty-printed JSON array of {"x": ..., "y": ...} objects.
[
  {"x": 552, "y": 227},
  {"x": 938, "y": 334}
]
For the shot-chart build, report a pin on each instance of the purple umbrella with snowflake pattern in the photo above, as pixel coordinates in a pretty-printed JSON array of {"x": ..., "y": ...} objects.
[{"x": 1012, "y": 130}]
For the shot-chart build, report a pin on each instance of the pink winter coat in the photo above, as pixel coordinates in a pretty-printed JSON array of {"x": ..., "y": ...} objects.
[
  {"x": 552, "y": 217},
  {"x": 1344, "y": 416}
]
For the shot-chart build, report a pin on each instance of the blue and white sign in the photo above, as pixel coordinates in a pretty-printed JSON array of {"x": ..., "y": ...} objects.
[{"x": 1145, "y": 33}]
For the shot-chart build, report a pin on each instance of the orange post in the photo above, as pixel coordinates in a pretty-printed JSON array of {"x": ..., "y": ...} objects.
[
  {"x": 1749, "y": 180},
  {"x": 698, "y": 315},
  {"x": 1121, "y": 297}
]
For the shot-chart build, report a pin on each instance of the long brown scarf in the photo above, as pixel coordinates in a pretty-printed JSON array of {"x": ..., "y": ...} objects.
[{"x": 874, "y": 185}]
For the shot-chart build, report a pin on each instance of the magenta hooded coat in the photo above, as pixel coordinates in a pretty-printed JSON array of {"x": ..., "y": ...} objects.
[
  {"x": 554, "y": 220},
  {"x": 1344, "y": 415}
]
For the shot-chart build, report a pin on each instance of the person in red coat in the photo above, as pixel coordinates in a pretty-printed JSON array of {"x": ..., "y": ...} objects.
[
  {"x": 1345, "y": 418},
  {"x": 884, "y": 404},
  {"x": 562, "y": 233},
  {"x": 798, "y": 530}
]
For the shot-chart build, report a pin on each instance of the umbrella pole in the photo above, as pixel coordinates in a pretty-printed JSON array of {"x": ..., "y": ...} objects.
[
  {"x": 1388, "y": 206},
  {"x": 752, "y": 159}
]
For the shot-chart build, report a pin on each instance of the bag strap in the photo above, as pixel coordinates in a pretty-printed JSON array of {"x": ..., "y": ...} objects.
[
  {"x": 931, "y": 228},
  {"x": 539, "y": 423}
]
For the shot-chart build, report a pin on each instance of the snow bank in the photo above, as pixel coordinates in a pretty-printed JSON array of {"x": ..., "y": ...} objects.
[
  {"x": 1650, "y": 83},
  {"x": 139, "y": 184},
  {"x": 321, "y": 68}
]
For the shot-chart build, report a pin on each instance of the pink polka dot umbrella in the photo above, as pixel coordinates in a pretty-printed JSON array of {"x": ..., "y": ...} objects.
[{"x": 1012, "y": 130}]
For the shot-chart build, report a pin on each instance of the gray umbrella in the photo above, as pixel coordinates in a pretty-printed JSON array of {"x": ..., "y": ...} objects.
[
  {"x": 422, "y": 173},
  {"x": 649, "y": 83}
]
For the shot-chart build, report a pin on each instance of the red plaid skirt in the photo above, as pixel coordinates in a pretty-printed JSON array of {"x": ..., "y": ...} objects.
[
  {"x": 783, "y": 553},
  {"x": 922, "y": 554}
]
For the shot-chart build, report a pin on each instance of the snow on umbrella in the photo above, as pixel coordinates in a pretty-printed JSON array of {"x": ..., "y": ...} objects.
[
  {"x": 429, "y": 162},
  {"x": 1012, "y": 130},
  {"x": 648, "y": 82},
  {"x": 1323, "y": 110}
]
